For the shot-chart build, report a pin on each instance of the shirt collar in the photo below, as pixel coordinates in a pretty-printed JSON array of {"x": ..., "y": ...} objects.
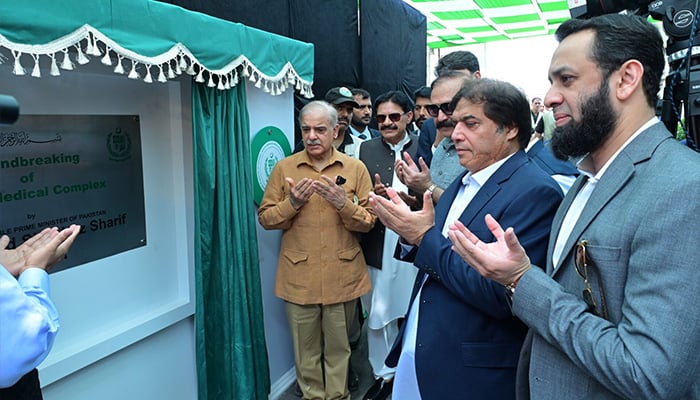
[
  {"x": 446, "y": 143},
  {"x": 358, "y": 133},
  {"x": 399, "y": 146},
  {"x": 347, "y": 139},
  {"x": 584, "y": 166},
  {"x": 483, "y": 175}
]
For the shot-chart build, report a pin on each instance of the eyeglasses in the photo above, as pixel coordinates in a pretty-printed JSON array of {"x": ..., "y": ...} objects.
[
  {"x": 434, "y": 109},
  {"x": 394, "y": 117},
  {"x": 582, "y": 262}
]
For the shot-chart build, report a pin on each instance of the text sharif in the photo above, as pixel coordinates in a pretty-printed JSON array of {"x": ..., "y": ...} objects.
[{"x": 25, "y": 194}]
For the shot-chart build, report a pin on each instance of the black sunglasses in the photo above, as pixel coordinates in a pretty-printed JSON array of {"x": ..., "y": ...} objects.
[
  {"x": 395, "y": 117},
  {"x": 434, "y": 109},
  {"x": 582, "y": 263}
]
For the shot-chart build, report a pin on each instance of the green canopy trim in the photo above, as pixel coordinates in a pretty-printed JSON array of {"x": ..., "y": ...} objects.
[
  {"x": 465, "y": 22},
  {"x": 151, "y": 41}
]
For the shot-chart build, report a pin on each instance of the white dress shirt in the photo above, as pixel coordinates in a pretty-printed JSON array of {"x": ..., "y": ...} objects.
[
  {"x": 577, "y": 206},
  {"x": 406, "y": 381}
]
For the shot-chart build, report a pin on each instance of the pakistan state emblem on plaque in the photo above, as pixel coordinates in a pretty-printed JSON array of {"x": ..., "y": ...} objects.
[
  {"x": 119, "y": 145},
  {"x": 269, "y": 146}
]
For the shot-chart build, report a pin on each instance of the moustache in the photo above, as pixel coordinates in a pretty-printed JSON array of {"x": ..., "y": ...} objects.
[
  {"x": 448, "y": 123},
  {"x": 386, "y": 127},
  {"x": 343, "y": 119},
  {"x": 313, "y": 142}
]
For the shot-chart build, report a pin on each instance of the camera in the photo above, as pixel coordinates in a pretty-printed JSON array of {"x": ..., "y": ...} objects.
[
  {"x": 9, "y": 109},
  {"x": 583, "y": 9}
]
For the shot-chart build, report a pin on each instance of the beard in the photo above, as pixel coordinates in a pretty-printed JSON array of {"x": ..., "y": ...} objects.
[
  {"x": 359, "y": 121},
  {"x": 578, "y": 138}
]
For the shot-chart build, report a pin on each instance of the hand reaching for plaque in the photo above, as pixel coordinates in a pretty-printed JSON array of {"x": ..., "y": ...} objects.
[{"x": 42, "y": 250}]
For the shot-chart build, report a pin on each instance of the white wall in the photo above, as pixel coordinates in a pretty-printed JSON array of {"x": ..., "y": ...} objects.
[
  {"x": 127, "y": 325},
  {"x": 523, "y": 62},
  {"x": 126, "y": 320}
]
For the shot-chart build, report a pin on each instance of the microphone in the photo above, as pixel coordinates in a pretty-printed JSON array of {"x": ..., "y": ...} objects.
[{"x": 9, "y": 109}]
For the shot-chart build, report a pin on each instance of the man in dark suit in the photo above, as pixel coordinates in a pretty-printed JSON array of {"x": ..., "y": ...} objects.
[
  {"x": 391, "y": 280},
  {"x": 421, "y": 99},
  {"x": 614, "y": 314},
  {"x": 460, "y": 339},
  {"x": 362, "y": 115}
]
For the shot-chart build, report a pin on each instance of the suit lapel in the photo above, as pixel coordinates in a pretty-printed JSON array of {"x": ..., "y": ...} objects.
[
  {"x": 492, "y": 186},
  {"x": 559, "y": 218},
  {"x": 613, "y": 180},
  {"x": 535, "y": 149}
]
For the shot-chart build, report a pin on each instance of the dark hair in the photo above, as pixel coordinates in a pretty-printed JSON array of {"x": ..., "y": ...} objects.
[
  {"x": 503, "y": 103},
  {"x": 361, "y": 92},
  {"x": 619, "y": 38},
  {"x": 448, "y": 75},
  {"x": 423, "y": 91},
  {"x": 397, "y": 97},
  {"x": 457, "y": 60}
]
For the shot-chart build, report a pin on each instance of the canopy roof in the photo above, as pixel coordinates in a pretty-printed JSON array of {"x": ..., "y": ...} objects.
[
  {"x": 152, "y": 41},
  {"x": 463, "y": 22}
]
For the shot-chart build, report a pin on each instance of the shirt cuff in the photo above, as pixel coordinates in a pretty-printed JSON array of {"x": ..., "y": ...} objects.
[{"x": 34, "y": 277}]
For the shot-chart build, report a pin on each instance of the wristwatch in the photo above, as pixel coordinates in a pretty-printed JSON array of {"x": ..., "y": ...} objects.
[
  {"x": 510, "y": 288},
  {"x": 432, "y": 187}
]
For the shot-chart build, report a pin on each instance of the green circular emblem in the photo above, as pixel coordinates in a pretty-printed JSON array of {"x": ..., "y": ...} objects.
[
  {"x": 269, "y": 145},
  {"x": 119, "y": 145}
]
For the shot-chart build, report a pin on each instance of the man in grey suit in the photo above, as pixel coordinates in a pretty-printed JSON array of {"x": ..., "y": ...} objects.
[{"x": 615, "y": 312}]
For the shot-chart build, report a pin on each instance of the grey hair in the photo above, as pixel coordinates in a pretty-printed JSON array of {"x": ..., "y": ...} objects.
[{"x": 319, "y": 105}]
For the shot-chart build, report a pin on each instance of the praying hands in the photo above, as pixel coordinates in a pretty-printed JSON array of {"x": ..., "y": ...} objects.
[
  {"x": 396, "y": 215},
  {"x": 503, "y": 261}
]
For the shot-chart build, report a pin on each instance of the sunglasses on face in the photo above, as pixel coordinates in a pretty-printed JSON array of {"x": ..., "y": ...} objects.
[
  {"x": 434, "y": 109},
  {"x": 395, "y": 117}
]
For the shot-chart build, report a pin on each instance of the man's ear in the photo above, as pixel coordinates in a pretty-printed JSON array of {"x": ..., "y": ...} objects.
[
  {"x": 511, "y": 132},
  {"x": 335, "y": 131},
  {"x": 629, "y": 79}
]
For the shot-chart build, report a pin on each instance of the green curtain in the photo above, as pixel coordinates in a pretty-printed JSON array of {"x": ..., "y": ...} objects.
[{"x": 231, "y": 353}]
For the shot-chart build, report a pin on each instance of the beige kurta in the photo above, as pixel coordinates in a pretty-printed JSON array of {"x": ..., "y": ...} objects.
[{"x": 320, "y": 259}]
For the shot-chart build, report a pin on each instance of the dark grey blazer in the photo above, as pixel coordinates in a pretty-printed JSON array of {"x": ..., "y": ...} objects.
[{"x": 379, "y": 159}]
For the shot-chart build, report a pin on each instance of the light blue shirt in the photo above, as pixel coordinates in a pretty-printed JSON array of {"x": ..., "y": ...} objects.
[
  {"x": 28, "y": 323},
  {"x": 364, "y": 135}
]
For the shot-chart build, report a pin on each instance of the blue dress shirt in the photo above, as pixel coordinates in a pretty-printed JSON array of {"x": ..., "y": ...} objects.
[{"x": 28, "y": 323}]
